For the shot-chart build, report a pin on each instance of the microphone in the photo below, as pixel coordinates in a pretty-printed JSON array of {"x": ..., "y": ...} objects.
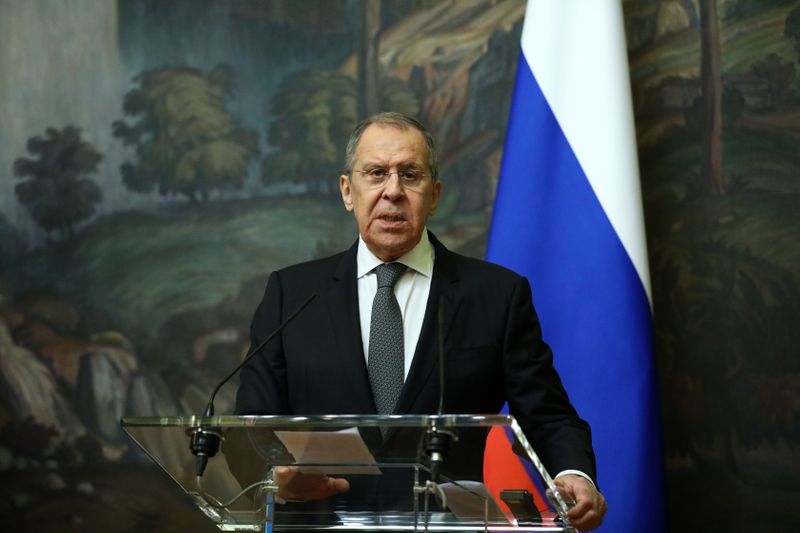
[
  {"x": 205, "y": 441},
  {"x": 438, "y": 441},
  {"x": 441, "y": 354}
]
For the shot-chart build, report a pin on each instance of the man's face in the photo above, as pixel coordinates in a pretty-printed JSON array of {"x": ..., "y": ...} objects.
[{"x": 391, "y": 216}]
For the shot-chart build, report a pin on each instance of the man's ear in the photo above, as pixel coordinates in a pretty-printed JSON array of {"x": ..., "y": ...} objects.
[
  {"x": 347, "y": 192},
  {"x": 437, "y": 193}
]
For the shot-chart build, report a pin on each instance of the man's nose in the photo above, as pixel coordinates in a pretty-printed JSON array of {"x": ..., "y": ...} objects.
[{"x": 393, "y": 189}]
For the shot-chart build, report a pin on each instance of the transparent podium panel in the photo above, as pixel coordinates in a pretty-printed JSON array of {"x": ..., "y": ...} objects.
[{"x": 404, "y": 472}]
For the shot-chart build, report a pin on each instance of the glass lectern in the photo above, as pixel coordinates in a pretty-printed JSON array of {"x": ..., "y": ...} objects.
[{"x": 394, "y": 483}]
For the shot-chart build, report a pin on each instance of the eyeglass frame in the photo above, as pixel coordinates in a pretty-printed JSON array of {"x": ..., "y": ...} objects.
[{"x": 375, "y": 183}]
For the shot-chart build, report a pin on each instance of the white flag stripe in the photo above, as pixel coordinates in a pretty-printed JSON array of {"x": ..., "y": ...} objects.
[{"x": 587, "y": 87}]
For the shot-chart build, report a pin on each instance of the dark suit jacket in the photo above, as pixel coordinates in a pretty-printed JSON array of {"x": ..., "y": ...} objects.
[{"x": 492, "y": 343}]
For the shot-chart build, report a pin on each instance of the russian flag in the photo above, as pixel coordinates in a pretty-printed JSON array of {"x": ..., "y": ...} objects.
[{"x": 568, "y": 216}]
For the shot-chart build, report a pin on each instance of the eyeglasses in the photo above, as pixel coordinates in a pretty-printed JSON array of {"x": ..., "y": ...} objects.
[{"x": 376, "y": 177}]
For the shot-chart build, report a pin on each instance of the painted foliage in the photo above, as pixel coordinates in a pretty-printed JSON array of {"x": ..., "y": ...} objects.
[{"x": 717, "y": 100}]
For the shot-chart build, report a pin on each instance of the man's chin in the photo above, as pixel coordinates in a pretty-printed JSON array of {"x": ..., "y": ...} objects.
[{"x": 391, "y": 248}]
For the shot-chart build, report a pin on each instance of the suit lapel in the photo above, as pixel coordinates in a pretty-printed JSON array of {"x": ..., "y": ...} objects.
[
  {"x": 342, "y": 302},
  {"x": 444, "y": 291}
]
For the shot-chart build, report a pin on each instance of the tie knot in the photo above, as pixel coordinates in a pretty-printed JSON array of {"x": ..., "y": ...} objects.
[{"x": 389, "y": 273}]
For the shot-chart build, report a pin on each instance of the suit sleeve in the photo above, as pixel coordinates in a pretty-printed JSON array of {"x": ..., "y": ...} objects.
[
  {"x": 263, "y": 384},
  {"x": 535, "y": 394}
]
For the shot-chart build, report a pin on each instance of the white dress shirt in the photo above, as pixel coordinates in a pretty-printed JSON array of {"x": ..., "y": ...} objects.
[{"x": 411, "y": 291}]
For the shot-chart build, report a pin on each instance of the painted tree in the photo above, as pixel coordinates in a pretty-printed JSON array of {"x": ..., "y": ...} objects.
[
  {"x": 185, "y": 139},
  {"x": 314, "y": 112},
  {"x": 711, "y": 75},
  {"x": 368, "y": 65},
  {"x": 791, "y": 28},
  {"x": 59, "y": 194}
]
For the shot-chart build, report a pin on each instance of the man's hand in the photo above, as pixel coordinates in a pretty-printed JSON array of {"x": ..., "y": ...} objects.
[
  {"x": 590, "y": 506},
  {"x": 294, "y": 485}
]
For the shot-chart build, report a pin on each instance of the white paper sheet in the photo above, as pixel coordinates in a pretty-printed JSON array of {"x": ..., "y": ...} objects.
[
  {"x": 469, "y": 504},
  {"x": 341, "y": 452}
]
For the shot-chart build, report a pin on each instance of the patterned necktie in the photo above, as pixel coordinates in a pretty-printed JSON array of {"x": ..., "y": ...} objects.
[{"x": 386, "y": 355}]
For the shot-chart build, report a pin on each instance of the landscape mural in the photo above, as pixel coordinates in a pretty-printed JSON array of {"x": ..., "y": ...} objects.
[
  {"x": 717, "y": 102},
  {"x": 159, "y": 159}
]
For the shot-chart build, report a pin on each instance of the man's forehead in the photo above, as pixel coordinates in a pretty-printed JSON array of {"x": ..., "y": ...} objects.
[{"x": 377, "y": 136}]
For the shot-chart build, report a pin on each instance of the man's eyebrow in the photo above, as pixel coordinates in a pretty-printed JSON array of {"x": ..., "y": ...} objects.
[{"x": 409, "y": 163}]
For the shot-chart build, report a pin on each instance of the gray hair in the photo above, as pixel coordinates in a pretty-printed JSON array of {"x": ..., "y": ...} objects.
[{"x": 391, "y": 119}]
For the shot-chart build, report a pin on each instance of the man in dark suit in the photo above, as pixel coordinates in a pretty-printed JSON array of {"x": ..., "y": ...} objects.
[{"x": 320, "y": 363}]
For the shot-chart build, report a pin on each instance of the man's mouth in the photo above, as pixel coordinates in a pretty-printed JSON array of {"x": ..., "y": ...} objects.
[{"x": 391, "y": 218}]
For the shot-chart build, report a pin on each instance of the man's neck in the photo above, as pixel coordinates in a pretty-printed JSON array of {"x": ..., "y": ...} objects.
[{"x": 419, "y": 258}]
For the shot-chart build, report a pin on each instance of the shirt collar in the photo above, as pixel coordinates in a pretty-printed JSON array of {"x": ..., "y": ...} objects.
[{"x": 419, "y": 258}]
